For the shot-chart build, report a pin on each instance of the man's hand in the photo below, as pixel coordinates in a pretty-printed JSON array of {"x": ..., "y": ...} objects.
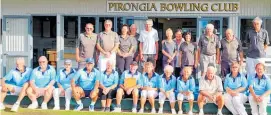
[
  {"x": 129, "y": 91},
  {"x": 255, "y": 98},
  {"x": 218, "y": 61},
  {"x": 260, "y": 99},
  {"x": 61, "y": 90},
  {"x": 141, "y": 57},
  {"x": 187, "y": 93},
  {"x": 107, "y": 54},
  {"x": 156, "y": 56},
  {"x": 77, "y": 59},
  {"x": 105, "y": 90},
  {"x": 167, "y": 94},
  {"x": 4, "y": 88}
]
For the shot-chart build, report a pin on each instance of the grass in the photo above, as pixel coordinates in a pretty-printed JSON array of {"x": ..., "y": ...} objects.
[{"x": 25, "y": 111}]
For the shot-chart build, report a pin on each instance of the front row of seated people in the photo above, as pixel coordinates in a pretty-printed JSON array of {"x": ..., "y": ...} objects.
[{"x": 90, "y": 82}]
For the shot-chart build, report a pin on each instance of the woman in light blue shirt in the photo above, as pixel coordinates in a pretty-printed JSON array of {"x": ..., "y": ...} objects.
[
  {"x": 185, "y": 89},
  {"x": 108, "y": 83},
  {"x": 167, "y": 85},
  {"x": 260, "y": 90},
  {"x": 235, "y": 85}
]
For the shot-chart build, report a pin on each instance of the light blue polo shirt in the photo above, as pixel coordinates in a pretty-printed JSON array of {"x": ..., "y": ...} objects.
[
  {"x": 260, "y": 86},
  {"x": 65, "y": 79},
  {"x": 42, "y": 79},
  {"x": 87, "y": 80},
  {"x": 15, "y": 77},
  {"x": 128, "y": 74},
  {"x": 153, "y": 82},
  {"x": 167, "y": 84},
  {"x": 188, "y": 85},
  {"x": 235, "y": 83},
  {"x": 109, "y": 80}
]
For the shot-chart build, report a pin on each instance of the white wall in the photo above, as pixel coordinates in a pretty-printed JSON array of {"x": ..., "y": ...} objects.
[{"x": 98, "y": 7}]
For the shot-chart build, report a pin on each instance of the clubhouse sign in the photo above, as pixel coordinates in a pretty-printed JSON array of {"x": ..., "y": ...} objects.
[{"x": 128, "y": 6}]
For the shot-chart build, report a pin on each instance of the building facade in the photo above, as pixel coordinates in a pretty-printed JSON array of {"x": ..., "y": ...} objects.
[{"x": 31, "y": 28}]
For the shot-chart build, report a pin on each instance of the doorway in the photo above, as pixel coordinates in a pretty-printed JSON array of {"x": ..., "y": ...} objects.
[{"x": 44, "y": 39}]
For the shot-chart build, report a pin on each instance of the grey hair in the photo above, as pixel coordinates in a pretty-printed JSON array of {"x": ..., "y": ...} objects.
[
  {"x": 258, "y": 19},
  {"x": 210, "y": 26},
  {"x": 149, "y": 21},
  {"x": 212, "y": 68},
  {"x": 108, "y": 21},
  {"x": 169, "y": 68}
]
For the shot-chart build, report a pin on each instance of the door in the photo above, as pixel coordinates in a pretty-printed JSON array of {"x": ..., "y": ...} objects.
[
  {"x": 217, "y": 22},
  {"x": 17, "y": 41},
  {"x": 139, "y": 21}
]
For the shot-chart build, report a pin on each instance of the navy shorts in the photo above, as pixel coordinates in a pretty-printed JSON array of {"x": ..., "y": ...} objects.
[{"x": 87, "y": 93}]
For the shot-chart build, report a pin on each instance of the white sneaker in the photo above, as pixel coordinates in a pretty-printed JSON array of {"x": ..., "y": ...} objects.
[
  {"x": 190, "y": 113},
  {"x": 2, "y": 106},
  {"x": 117, "y": 109},
  {"x": 33, "y": 105},
  {"x": 173, "y": 111},
  {"x": 134, "y": 110},
  {"x": 56, "y": 108},
  {"x": 67, "y": 108},
  {"x": 160, "y": 111},
  {"x": 201, "y": 113},
  {"x": 219, "y": 113},
  {"x": 180, "y": 112},
  {"x": 44, "y": 106},
  {"x": 79, "y": 107},
  {"x": 15, "y": 107},
  {"x": 153, "y": 111},
  {"x": 141, "y": 111}
]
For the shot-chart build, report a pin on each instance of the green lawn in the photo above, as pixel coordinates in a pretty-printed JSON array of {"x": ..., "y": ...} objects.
[{"x": 24, "y": 111}]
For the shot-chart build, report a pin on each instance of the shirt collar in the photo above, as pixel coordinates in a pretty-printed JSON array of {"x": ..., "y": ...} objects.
[
  {"x": 113, "y": 71},
  {"x": 136, "y": 73},
  {"x": 238, "y": 75},
  {"x": 47, "y": 68},
  {"x": 263, "y": 77},
  {"x": 207, "y": 78},
  {"x": 104, "y": 32},
  {"x": 72, "y": 71},
  {"x": 164, "y": 76},
  {"x": 146, "y": 74},
  {"x": 190, "y": 77},
  {"x": 88, "y": 36},
  {"x": 85, "y": 69},
  {"x": 19, "y": 70}
]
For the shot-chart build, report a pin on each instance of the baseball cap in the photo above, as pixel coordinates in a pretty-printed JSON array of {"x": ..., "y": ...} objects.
[
  {"x": 68, "y": 61},
  {"x": 134, "y": 63},
  {"x": 90, "y": 60}
]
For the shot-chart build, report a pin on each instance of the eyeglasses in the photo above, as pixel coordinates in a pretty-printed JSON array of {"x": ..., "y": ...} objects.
[{"x": 89, "y": 28}]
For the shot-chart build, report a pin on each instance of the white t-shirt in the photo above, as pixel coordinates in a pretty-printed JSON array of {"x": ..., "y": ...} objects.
[{"x": 148, "y": 39}]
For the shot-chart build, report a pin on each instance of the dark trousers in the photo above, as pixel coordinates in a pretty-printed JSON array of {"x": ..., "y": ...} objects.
[{"x": 124, "y": 63}]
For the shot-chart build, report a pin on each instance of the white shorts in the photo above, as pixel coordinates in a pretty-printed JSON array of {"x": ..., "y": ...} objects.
[
  {"x": 150, "y": 93},
  {"x": 182, "y": 97},
  {"x": 162, "y": 97},
  {"x": 103, "y": 60},
  {"x": 17, "y": 89}
]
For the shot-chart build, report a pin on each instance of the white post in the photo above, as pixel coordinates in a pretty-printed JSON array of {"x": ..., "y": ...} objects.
[{"x": 60, "y": 40}]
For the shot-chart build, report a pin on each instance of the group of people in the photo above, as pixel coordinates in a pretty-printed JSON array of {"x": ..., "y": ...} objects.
[{"x": 125, "y": 68}]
